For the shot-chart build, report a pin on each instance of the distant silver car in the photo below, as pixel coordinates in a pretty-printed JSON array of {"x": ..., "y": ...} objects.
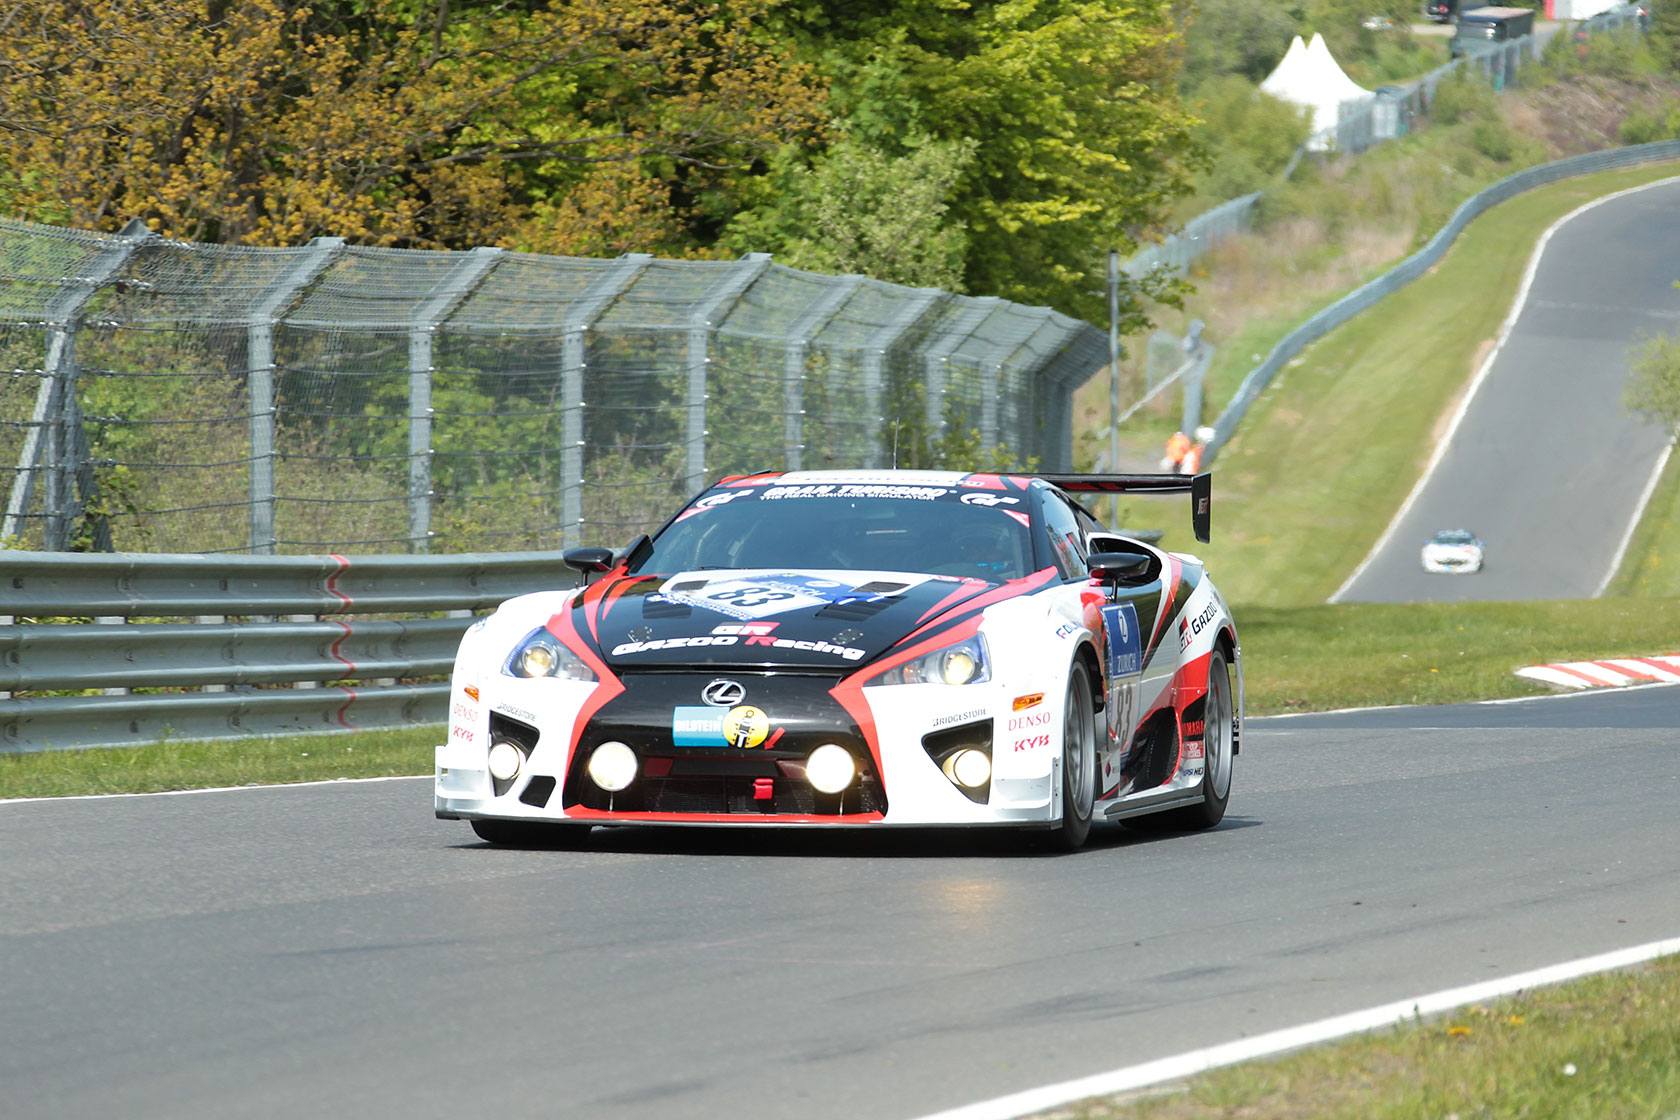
[{"x": 1453, "y": 552}]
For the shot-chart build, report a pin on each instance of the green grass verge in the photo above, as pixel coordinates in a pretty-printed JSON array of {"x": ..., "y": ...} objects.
[
  {"x": 1651, "y": 568},
  {"x": 1352, "y": 655},
  {"x": 1333, "y": 446},
  {"x": 1600, "y": 1048},
  {"x": 226, "y": 762}
]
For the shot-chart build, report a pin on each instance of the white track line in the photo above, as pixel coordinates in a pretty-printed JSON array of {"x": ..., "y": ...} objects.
[
  {"x": 1633, "y": 526},
  {"x": 1476, "y": 383},
  {"x": 1291, "y": 1038}
]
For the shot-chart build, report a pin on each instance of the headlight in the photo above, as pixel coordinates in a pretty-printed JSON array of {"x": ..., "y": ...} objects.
[
  {"x": 831, "y": 768},
  {"x": 613, "y": 766},
  {"x": 963, "y": 662},
  {"x": 542, "y": 655}
]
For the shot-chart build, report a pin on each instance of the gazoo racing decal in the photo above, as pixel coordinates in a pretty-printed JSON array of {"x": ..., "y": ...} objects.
[
  {"x": 1190, "y": 628},
  {"x": 756, "y": 597}
]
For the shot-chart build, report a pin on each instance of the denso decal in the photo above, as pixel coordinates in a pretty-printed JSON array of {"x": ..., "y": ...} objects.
[
  {"x": 1030, "y": 719},
  {"x": 1032, "y": 743},
  {"x": 464, "y": 711}
]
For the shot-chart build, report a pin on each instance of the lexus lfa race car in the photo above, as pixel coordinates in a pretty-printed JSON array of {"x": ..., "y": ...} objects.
[{"x": 857, "y": 649}]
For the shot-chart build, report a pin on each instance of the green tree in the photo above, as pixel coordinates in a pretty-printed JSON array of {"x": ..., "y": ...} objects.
[
  {"x": 1080, "y": 141},
  {"x": 1653, "y": 389},
  {"x": 859, "y": 209},
  {"x": 545, "y": 125},
  {"x": 1250, "y": 136},
  {"x": 1237, "y": 37}
]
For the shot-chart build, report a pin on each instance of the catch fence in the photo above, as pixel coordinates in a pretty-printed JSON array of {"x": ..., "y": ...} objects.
[{"x": 165, "y": 396}]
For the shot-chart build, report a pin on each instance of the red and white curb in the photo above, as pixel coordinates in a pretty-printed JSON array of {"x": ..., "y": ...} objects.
[{"x": 1611, "y": 673}]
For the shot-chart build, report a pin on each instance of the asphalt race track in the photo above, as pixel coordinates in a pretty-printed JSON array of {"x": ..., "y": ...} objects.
[
  {"x": 1547, "y": 466},
  {"x": 333, "y": 950}
]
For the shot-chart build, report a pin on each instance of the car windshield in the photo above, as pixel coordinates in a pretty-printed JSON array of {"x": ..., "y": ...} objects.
[
  {"x": 933, "y": 530},
  {"x": 1454, "y": 536}
]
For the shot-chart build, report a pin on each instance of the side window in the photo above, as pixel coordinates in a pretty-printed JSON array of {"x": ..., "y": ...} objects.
[{"x": 1067, "y": 543}]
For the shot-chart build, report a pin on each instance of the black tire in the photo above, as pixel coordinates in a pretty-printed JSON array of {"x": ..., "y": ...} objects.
[
  {"x": 1218, "y": 743},
  {"x": 1079, "y": 762},
  {"x": 530, "y": 834}
]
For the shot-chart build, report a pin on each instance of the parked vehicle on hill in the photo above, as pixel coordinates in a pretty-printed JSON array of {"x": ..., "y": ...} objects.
[
  {"x": 857, "y": 649},
  {"x": 1453, "y": 552},
  {"x": 1441, "y": 11},
  {"x": 1480, "y": 26}
]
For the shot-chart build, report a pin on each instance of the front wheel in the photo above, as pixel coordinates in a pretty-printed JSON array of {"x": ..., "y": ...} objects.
[
  {"x": 530, "y": 834},
  {"x": 1079, "y": 761}
]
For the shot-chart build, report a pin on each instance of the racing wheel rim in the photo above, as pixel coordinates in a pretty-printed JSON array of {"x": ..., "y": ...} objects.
[
  {"x": 1218, "y": 736},
  {"x": 1079, "y": 752}
]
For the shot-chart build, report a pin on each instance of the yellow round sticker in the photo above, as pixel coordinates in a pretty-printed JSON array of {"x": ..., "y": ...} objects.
[{"x": 746, "y": 726}]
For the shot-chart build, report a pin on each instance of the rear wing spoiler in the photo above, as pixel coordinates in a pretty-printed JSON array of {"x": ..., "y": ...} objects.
[{"x": 1200, "y": 487}]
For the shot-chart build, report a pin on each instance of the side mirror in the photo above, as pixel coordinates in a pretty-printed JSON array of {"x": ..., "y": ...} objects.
[
  {"x": 588, "y": 560},
  {"x": 1119, "y": 567}
]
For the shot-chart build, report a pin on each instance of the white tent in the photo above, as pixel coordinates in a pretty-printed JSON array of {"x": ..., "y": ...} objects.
[{"x": 1309, "y": 76}]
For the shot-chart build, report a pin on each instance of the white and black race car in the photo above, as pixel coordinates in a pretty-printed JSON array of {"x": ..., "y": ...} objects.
[{"x": 860, "y": 649}]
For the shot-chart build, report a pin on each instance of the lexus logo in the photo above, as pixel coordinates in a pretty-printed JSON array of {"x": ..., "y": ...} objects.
[{"x": 723, "y": 693}]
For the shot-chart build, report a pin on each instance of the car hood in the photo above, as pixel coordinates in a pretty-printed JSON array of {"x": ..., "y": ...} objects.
[{"x": 765, "y": 618}]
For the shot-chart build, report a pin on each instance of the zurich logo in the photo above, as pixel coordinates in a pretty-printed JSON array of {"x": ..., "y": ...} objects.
[{"x": 723, "y": 693}]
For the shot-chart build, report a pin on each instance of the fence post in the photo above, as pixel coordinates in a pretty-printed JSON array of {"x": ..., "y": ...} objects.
[
  {"x": 800, "y": 335},
  {"x": 466, "y": 275},
  {"x": 259, "y": 358},
  {"x": 937, "y": 359},
  {"x": 47, "y": 424},
  {"x": 573, "y": 349},
  {"x": 875, "y": 353},
  {"x": 700, "y": 324}
]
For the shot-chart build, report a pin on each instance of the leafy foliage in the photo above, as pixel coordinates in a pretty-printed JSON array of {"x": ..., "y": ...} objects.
[
  {"x": 1653, "y": 390},
  {"x": 271, "y": 121}
]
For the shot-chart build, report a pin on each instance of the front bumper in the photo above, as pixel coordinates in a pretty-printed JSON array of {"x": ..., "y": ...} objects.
[{"x": 887, "y": 729}]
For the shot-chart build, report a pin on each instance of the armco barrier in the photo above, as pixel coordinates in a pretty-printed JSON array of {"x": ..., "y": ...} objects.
[
  {"x": 1416, "y": 265},
  {"x": 271, "y": 632}
]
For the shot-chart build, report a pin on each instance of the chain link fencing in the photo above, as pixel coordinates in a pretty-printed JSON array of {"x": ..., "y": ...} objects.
[{"x": 165, "y": 396}]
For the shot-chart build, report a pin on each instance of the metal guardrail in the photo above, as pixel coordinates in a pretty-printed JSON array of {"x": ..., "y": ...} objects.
[
  {"x": 280, "y": 645},
  {"x": 1415, "y": 266}
]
